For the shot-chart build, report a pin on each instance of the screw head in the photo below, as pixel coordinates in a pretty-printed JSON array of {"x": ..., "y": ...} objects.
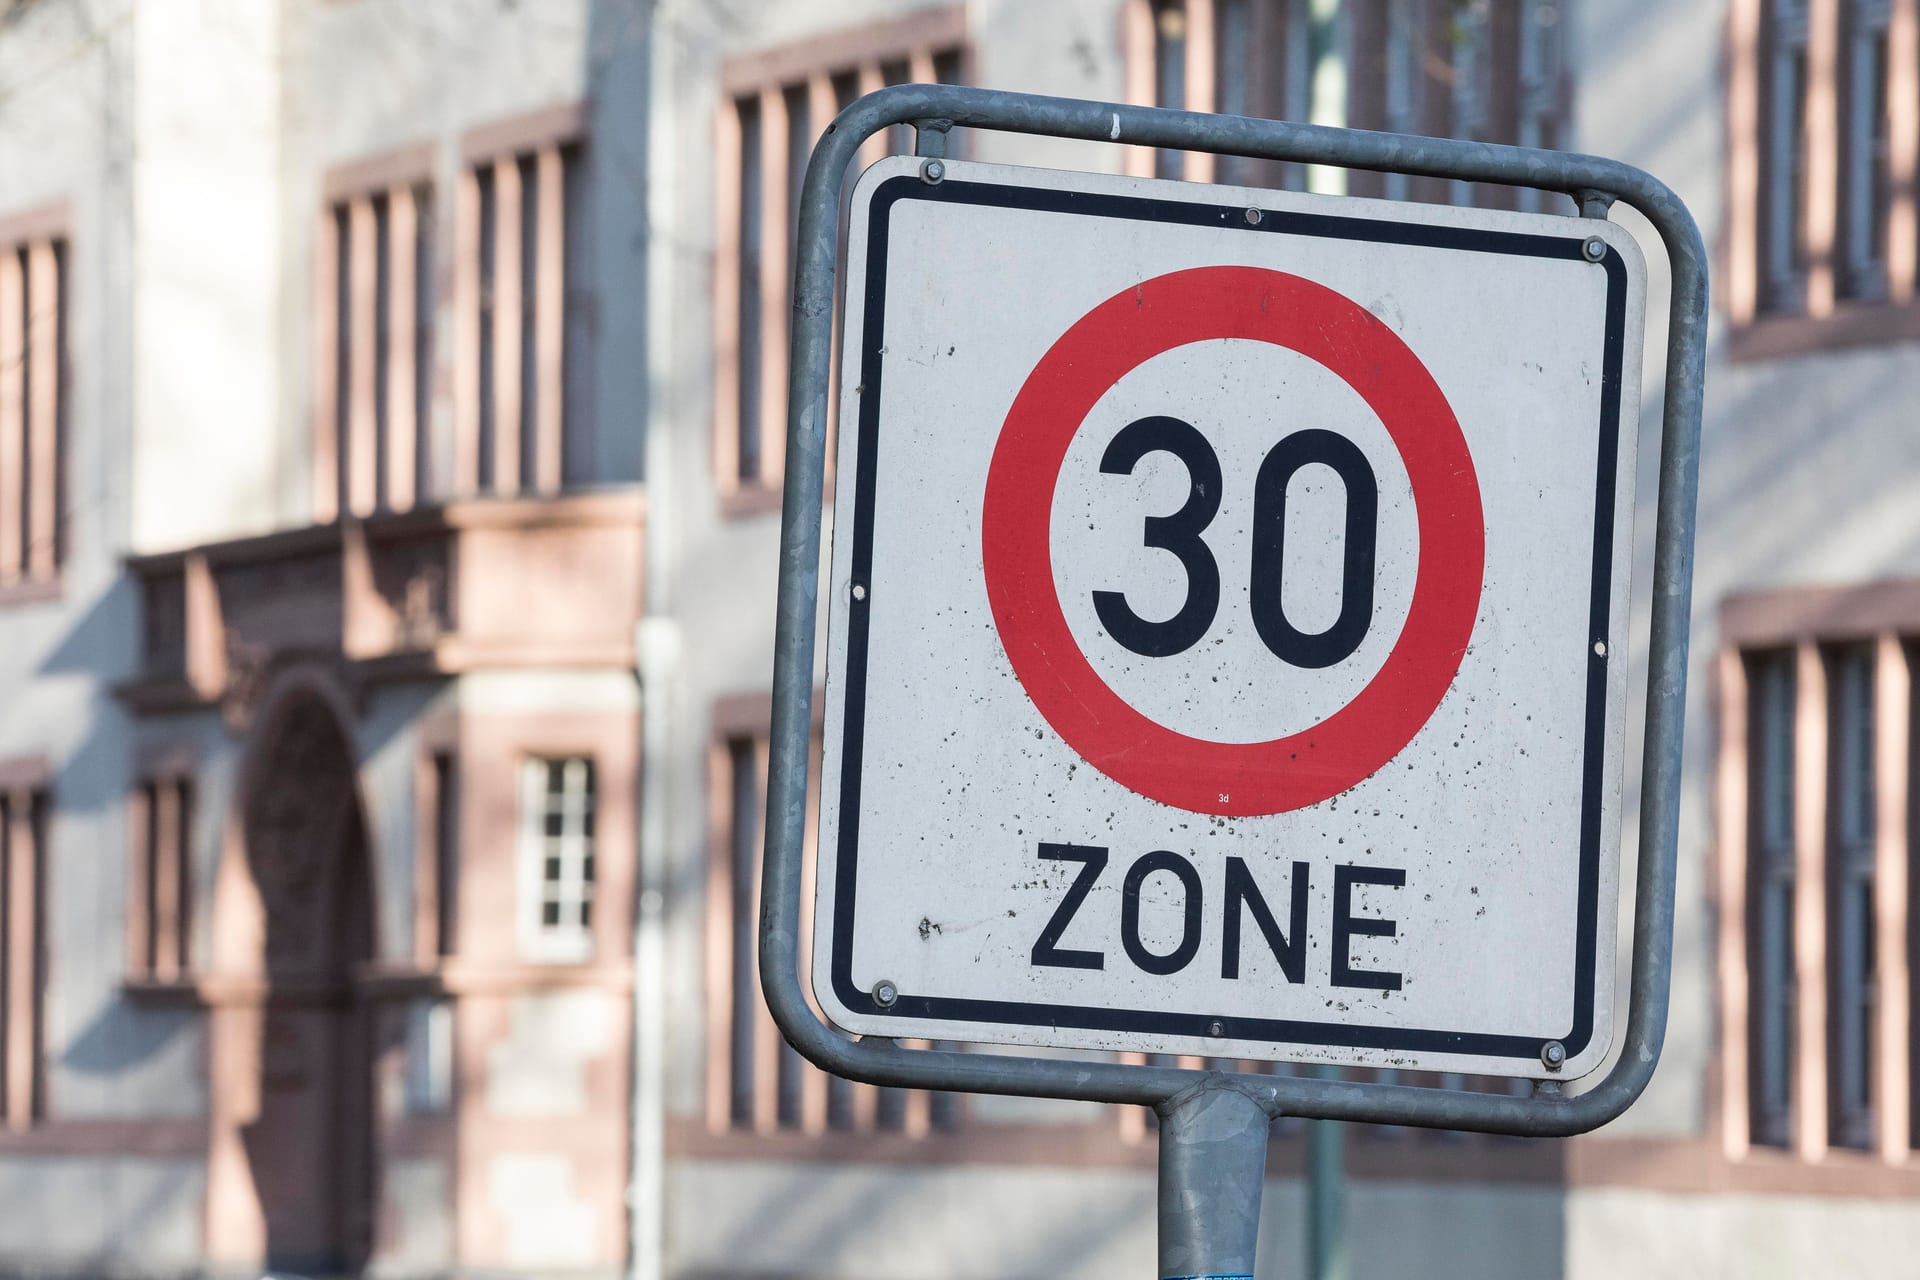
[
  {"x": 1553, "y": 1055},
  {"x": 1595, "y": 248},
  {"x": 1216, "y": 1028},
  {"x": 1253, "y": 217},
  {"x": 933, "y": 171},
  {"x": 885, "y": 993},
  {"x": 859, "y": 591}
]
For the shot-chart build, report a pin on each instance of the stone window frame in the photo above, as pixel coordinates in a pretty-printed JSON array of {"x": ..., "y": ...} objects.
[
  {"x": 524, "y": 300},
  {"x": 160, "y": 877},
  {"x": 1805, "y": 641},
  {"x": 390, "y": 255},
  {"x": 1822, "y": 291},
  {"x": 35, "y": 260},
  {"x": 789, "y": 93},
  {"x": 374, "y": 295}
]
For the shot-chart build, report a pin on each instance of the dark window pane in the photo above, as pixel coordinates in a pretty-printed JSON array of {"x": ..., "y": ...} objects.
[
  {"x": 1169, "y": 74},
  {"x": 343, "y": 351},
  {"x": 446, "y": 855},
  {"x": 425, "y": 305},
  {"x": 529, "y": 291},
  {"x": 743, "y": 780},
  {"x": 751, "y": 303},
  {"x": 577, "y": 352},
  {"x": 484, "y": 437},
  {"x": 382, "y": 348}
]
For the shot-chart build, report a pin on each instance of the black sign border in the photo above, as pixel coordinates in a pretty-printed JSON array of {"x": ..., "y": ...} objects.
[{"x": 1200, "y": 1026}]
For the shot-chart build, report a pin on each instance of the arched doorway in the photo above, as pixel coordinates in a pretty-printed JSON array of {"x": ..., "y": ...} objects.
[{"x": 309, "y": 1144}]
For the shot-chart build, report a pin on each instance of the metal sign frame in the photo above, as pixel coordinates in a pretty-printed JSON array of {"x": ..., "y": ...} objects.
[{"x": 1223, "y": 1114}]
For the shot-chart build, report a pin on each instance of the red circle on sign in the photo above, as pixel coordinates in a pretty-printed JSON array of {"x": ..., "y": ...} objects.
[{"x": 1232, "y": 779}]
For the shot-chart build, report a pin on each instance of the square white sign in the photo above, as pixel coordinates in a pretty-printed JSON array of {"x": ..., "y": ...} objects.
[{"x": 1227, "y": 640}]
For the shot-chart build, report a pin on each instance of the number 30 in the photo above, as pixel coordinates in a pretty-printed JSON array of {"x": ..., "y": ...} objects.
[{"x": 1180, "y": 533}]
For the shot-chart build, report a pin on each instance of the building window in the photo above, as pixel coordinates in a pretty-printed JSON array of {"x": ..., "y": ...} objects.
[
  {"x": 33, "y": 344},
  {"x": 373, "y": 371},
  {"x": 519, "y": 283},
  {"x": 1814, "y": 813},
  {"x": 1234, "y": 57},
  {"x": 1445, "y": 68},
  {"x": 436, "y": 858},
  {"x": 757, "y": 1083},
  {"x": 557, "y": 811},
  {"x": 25, "y": 813},
  {"x": 160, "y": 897},
  {"x": 1824, "y": 140},
  {"x": 774, "y": 105}
]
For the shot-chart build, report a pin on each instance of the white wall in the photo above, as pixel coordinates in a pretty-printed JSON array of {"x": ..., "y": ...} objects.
[
  {"x": 100, "y": 1215},
  {"x": 1639, "y": 1235},
  {"x": 878, "y": 1222},
  {"x": 206, "y": 257}
]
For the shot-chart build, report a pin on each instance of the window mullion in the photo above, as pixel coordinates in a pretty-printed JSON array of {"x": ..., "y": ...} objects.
[
  {"x": 1821, "y": 136},
  {"x": 360, "y": 350},
  {"x": 1903, "y": 147},
  {"x": 1142, "y": 49},
  {"x": 165, "y": 871},
  {"x": 1202, "y": 94},
  {"x": 17, "y": 932},
  {"x": 507, "y": 319},
  {"x": 401, "y": 444},
  {"x": 549, "y": 319},
  {"x": 1809, "y": 900}
]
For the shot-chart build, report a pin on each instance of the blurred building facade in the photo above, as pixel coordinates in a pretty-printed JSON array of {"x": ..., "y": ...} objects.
[{"x": 391, "y": 401}]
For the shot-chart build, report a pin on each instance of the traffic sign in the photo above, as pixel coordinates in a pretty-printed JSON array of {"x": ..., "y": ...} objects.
[{"x": 1228, "y": 639}]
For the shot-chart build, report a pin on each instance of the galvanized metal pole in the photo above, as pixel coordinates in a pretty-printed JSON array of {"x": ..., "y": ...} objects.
[
  {"x": 1327, "y": 1257},
  {"x": 1213, "y": 1164}
]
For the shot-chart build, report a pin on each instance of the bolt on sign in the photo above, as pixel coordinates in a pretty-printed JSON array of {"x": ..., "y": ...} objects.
[{"x": 1228, "y": 617}]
